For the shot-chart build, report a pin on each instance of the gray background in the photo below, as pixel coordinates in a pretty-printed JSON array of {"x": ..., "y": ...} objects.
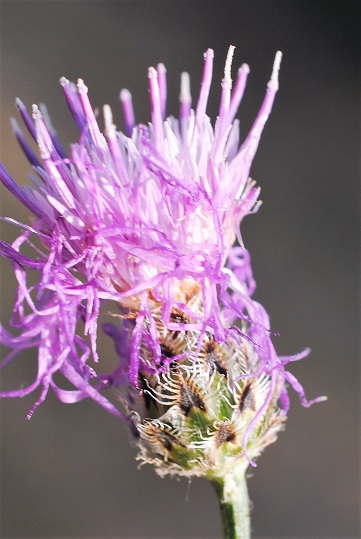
[{"x": 70, "y": 471}]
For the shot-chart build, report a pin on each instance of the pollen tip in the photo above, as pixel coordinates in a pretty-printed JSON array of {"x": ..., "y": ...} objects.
[
  {"x": 125, "y": 95},
  {"x": 64, "y": 81},
  {"x": 152, "y": 73},
  {"x": 107, "y": 111},
  {"x": 14, "y": 124},
  {"x": 19, "y": 103},
  {"x": 273, "y": 83},
  {"x": 161, "y": 68},
  {"x": 108, "y": 121},
  {"x": 46, "y": 117},
  {"x": 185, "y": 91},
  {"x": 228, "y": 64},
  {"x": 36, "y": 112},
  {"x": 209, "y": 54},
  {"x": 83, "y": 89},
  {"x": 244, "y": 68}
]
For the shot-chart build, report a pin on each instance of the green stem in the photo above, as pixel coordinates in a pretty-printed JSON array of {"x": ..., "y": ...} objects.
[{"x": 234, "y": 503}]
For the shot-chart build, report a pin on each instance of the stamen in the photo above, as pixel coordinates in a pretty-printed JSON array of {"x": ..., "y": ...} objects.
[
  {"x": 222, "y": 124},
  {"x": 94, "y": 130},
  {"x": 111, "y": 134},
  {"x": 238, "y": 91},
  {"x": 52, "y": 131},
  {"x": 250, "y": 145},
  {"x": 128, "y": 110},
  {"x": 47, "y": 120},
  {"x": 25, "y": 117},
  {"x": 228, "y": 64},
  {"x": 156, "y": 108},
  {"x": 276, "y": 67},
  {"x": 42, "y": 137},
  {"x": 25, "y": 146},
  {"x": 162, "y": 81},
  {"x": 185, "y": 98},
  {"x": 205, "y": 87},
  {"x": 45, "y": 147},
  {"x": 74, "y": 103},
  {"x": 9, "y": 183},
  {"x": 226, "y": 83},
  {"x": 108, "y": 121}
]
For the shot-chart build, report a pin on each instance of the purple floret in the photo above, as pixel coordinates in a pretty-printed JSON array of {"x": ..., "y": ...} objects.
[{"x": 123, "y": 221}]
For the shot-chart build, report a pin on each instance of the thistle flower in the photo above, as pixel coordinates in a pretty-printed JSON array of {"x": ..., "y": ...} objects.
[{"x": 141, "y": 227}]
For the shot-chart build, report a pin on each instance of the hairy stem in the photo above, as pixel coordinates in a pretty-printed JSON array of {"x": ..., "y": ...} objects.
[{"x": 234, "y": 504}]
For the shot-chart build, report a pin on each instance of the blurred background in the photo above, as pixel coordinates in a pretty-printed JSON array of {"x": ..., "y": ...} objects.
[{"x": 70, "y": 472}]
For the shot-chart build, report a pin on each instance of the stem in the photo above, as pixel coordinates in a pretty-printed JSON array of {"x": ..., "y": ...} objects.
[{"x": 234, "y": 504}]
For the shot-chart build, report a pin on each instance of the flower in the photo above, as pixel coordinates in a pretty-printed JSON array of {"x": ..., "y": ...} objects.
[{"x": 141, "y": 228}]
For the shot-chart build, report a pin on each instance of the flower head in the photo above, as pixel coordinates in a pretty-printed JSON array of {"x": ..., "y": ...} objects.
[{"x": 141, "y": 227}]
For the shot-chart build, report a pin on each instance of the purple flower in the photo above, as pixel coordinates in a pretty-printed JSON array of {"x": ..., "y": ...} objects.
[{"x": 140, "y": 228}]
